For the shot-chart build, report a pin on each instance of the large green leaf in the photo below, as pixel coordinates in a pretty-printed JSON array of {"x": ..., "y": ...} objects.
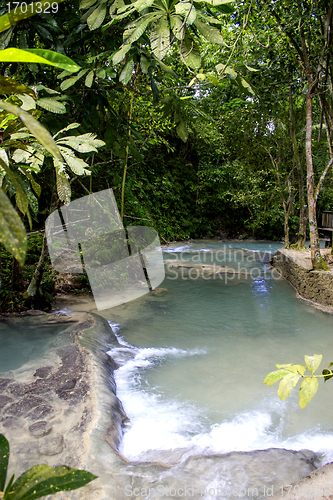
[
  {"x": 42, "y": 480},
  {"x": 12, "y": 231},
  {"x": 190, "y": 52},
  {"x": 96, "y": 18},
  {"x": 4, "y": 457},
  {"x": 117, "y": 4},
  {"x": 139, "y": 27},
  {"x": 77, "y": 165},
  {"x": 187, "y": 10},
  {"x": 307, "y": 390},
  {"x": 80, "y": 144},
  {"x": 51, "y": 104},
  {"x": 120, "y": 54},
  {"x": 160, "y": 37},
  {"x": 89, "y": 79},
  {"x": 40, "y": 56},
  {"x": 16, "y": 13},
  {"x": 177, "y": 26},
  {"x": 127, "y": 72},
  {"x": 85, "y": 4},
  {"x": 209, "y": 32},
  {"x": 145, "y": 64},
  {"x": 71, "y": 81},
  {"x": 34, "y": 126}
]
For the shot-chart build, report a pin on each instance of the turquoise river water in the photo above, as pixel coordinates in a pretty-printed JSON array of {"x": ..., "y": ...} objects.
[{"x": 202, "y": 350}]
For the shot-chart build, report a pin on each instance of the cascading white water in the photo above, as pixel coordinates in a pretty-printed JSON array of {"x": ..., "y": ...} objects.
[{"x": 194, "y": 380}]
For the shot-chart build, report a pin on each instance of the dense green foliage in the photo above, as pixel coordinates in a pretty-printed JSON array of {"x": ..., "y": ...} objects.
[{"x": 193, "y": 112}]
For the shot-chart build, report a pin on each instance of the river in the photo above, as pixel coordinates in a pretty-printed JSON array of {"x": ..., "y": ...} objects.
[{"x": 194, "y": 359}]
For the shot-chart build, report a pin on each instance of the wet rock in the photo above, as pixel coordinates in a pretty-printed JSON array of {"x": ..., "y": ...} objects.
[
  {"x": 4, "y": 400},
  {"x": 251, "y": 475},
  {"x": 43, "y": 372},
  {"x": 23, "y": 406},
  {"x": 51, "y": 445},
  {"x": 159, "y": 291},
  {"x": 41, "y": 428},
  {"x": 41, "y": 412},
  {"x": 4, "y": 382},
  {"x": 68, "y": 385},
  {"x": 11, "y": 422}
]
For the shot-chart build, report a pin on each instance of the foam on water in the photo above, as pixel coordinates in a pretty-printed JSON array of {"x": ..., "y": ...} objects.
[{"x": 160, "y": 423}]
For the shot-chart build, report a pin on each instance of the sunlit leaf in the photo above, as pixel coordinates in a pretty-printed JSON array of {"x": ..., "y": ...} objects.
[
  {"x": 40, "y": 56},
  {"x": 85, "y": 4},
  {"x": 160, "y": 37},
  {"x": 28, "y": 102},
  {"x": 307, "y": 390},
  {"x": 275, "y": 376},
  {"x": 287, "y": 384},
  {"x": 182, "y": 130},
  {"x": 78, "y": 166},
  {"x": 215, "y": 3},
  {"x": 293, "y": 368},
  {"x": 187, "y": 10},
  {"x": 34, "y": 127},
  {"x": 177, "y": 26},
  {"x": 42, "y": 480},
  {"x": 312, "y": 362}
]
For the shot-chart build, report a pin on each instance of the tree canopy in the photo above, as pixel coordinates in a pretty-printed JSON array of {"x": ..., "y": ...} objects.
[{"x": 206, "y": 117}]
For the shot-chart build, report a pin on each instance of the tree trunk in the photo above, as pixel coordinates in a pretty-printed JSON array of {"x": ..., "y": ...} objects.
[
  {"x": 317, "y": 261},
  {"x": 38, "y": 274},
  {"x": 286, "y": 229},
  {"x": 303, "y": 215},
  {"x": 303, "y": 212}
]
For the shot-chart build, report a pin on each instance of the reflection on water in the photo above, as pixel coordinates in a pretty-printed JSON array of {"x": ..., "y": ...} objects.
[{"x": 202, "y": 351}]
